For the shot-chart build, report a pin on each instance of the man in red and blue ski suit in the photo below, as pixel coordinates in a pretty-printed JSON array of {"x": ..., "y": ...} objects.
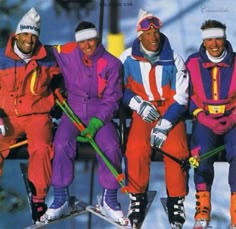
[
  {"x": 27, "y": 70},
  {"x": 156, "y": 89}
]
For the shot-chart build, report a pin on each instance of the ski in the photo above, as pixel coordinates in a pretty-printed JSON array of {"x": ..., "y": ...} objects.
[
  {"x": 150, "y": 197},
  {"x": 96, "y": 211},
  {"x": 24, "y": 173},
  {"x": 164, "y": 204},
  {"x": 78, "y": 208}
]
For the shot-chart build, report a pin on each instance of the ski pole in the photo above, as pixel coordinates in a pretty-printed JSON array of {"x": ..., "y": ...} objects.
[
  {"x": 119, "y": 177},
  {"x": 71, "y": 115},
  {"x": 195, "y": 160},
  {"x": 24, "y": 142},
  {"x": 21, "y": 143},
  {"x": 184, "y": 162}
]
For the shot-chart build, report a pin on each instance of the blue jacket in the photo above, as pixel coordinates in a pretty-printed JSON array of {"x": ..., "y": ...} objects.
[{"x": 166, "y": 79}]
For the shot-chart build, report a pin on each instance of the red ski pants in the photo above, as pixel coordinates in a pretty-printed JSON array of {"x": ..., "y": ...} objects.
[
  {"x": 138, "y": 154},
  {"x": 38, "y": 129}
]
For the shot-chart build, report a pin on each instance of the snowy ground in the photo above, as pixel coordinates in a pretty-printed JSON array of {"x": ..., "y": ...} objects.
[{"x": 156, "y": 218}]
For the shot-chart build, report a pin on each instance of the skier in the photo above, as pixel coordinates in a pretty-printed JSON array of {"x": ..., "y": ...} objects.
[
  {"x": 212, "y": 104},
  {"x": 156, "y": 90},
  {"x": 93, "y": 82},
  {"x": 26, "y": 72}
]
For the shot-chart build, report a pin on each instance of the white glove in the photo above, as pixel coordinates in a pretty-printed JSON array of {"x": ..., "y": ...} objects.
[
  {"x": 2, "y": 127},
  {"x": 145, "y": 109},
  {"x": 159, "y": 132}
]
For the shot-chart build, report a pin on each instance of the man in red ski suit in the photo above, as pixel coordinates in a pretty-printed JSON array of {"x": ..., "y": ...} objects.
[{"x": 26, "y": 72}]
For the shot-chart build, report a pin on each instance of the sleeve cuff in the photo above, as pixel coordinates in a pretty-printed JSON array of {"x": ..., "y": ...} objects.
[{"x": 197, "y": 111}]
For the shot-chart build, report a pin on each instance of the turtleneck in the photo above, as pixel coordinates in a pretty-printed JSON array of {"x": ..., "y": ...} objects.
[
  {"x": 151, "y": 56},
  {"x": 23, "y": 56},
  {"x": 216, "y": 59}
]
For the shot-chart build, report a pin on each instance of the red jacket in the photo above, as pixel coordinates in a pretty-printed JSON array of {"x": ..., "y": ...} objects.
[{"x": 25, "y": 88}]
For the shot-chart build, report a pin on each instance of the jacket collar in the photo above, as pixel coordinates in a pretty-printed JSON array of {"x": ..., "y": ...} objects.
[
  {"x": 165, "y": 56},
  {"x": 226, "y": 62}
]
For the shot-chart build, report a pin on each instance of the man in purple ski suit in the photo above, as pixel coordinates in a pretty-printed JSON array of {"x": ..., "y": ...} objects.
[{"x": 93, "y": 82}]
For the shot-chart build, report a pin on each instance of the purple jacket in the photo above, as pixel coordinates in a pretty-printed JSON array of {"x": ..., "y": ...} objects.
[{"x": 93, "y": 85}]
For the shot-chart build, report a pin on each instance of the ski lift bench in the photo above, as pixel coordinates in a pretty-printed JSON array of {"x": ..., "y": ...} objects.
[
  {"x": 122, "y": 122},
  {"x": 87, "y": 154}
]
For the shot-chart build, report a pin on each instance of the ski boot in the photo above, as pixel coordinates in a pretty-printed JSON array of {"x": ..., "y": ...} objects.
[
  {"x": 110, "y": 207},
  {"x": 38, "y": 208},
  {"x": 176, "y": 212},
  {"x": 233, "y": 210},
  {"x": 203, "y": 210},
  {"x": 137, "y": 208},
  {"x": 60, "y": 206}
]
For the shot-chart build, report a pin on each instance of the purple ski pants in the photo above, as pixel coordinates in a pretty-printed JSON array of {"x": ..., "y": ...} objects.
[{"x": 66, "y": 147}]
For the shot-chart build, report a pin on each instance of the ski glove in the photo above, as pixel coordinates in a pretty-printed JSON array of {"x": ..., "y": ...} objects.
[
  {"x": 93, "y": 126},
  {"x": 208, "y": 121},
  {"x": 159, "y": 132},
  {"x": 227, "y": 123},
  {"x": 145, "y": 109},
  {"x": 2, "y": 127}
]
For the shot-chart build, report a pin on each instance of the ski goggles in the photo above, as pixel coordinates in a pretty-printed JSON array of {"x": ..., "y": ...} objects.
[{"x": 147, "y": 22}]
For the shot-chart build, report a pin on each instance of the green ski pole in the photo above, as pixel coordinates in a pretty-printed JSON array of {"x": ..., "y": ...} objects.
[{"x": 69, "y": 112}]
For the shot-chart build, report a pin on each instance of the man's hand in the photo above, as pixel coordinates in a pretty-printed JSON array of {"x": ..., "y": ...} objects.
[
  {"x": 145, "y": 109},
  {"x": 2, "y": 127},
  {"x": 207, "y": 120},
  {"x": 219, "y": 126},
  {"x": 159, "y": 133},
  {"x": 93, "y": 126},
  {"x": 227, "y": 123}
]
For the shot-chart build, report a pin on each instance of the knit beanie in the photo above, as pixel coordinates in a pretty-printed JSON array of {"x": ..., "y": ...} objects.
[
  {"x": 141, "y": 15},
  {"x": 85, "y": 30},
  {"x": 30, "y": 23}
]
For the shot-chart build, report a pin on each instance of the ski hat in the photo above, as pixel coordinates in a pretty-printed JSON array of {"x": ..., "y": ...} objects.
[
  {"x": 142, "y": 15},
  {"x": 85, "y": 30},
  {"x": 30, "y": 23}
]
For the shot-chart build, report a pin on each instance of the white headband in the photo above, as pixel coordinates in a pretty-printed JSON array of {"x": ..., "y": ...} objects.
[
  {"x": 86, "y": 34},
  {"x": 213, "y": 33}
]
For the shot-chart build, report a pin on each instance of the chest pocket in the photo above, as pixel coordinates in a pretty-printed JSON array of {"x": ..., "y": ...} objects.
[{"x": 39, "y": 82}]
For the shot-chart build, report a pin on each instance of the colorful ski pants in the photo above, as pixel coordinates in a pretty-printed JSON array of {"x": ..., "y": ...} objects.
[
  {"x": 204, "y": 140},
  {"x": 138, "y": 158}
]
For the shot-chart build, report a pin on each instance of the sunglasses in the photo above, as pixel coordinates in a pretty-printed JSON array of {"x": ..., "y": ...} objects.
[{"x": 147, "y": 22}]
